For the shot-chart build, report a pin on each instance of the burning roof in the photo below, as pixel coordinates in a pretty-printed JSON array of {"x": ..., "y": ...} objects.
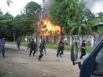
[{"x": 49, "y": 28}]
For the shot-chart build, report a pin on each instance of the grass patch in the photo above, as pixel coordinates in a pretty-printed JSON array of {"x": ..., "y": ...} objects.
[
  {"x": 22, "y": 43},
  {"x": 1, "y": 74},
  {"x": 88, "y": 49},
  {"x": 55, "y": 46}
]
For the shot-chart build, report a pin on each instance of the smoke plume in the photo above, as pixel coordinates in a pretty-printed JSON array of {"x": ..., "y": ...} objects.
[{"x": 46, "y": 6}]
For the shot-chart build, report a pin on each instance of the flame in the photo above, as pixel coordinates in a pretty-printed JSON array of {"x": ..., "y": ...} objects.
[{"x": 49, "y": 29}]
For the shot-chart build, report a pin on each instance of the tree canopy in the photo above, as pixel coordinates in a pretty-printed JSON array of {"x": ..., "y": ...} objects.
[
  {"x": 72, "y": 15},
  {"x": 20, "y": 25}
]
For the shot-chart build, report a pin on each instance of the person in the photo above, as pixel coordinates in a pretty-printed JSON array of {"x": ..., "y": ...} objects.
[
  {"x": 18, "y": 43},
  {"x": 62, "y": 52},
  {"x": 28, "y": 44},
  {"x": 32, "y": 47},
  {"x": 3, "y": 50},
  {"x": 60, "y": 48},
  {"x": 41, "y": 50},
  {"x": 83, "y": 48},
  {"x": 44, "y": 46}
]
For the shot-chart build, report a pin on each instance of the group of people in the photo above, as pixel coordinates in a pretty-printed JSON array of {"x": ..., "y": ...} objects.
[
  {"x": 33, "y": 47},
  {"x": 42, "y": 48}
]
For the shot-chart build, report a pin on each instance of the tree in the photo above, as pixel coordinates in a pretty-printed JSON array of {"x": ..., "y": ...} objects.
[
  {"x": 67, "y": 13},
  {"x": 30, "y": 14},
  {"x": 6, "y": 20},
  {"x": 58, "y": 14},
  {"x": 86, "y": 24},
  {"x": 100, "y": 17},
  {"x": 73, "y": 16}
]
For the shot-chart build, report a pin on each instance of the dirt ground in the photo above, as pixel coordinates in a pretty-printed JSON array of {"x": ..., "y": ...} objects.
[{"x": 18, "y": 63}]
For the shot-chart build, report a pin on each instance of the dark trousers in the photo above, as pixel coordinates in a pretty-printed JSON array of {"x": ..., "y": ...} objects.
[
  {"x": 32, "y": 49},
  {"x": 41, "y": 54},
  {"x": 83, "y": 53},
  {"x": 18, "y": 46},
  {"x": 3, "y": 52},
  {"x": 59, "y": 51},
  {"x": 62, "y": 51},
  {"x": 44, "y": 49}
]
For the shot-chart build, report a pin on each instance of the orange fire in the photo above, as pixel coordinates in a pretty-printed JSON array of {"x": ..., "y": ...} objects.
[{"x": 49, "y": 29}]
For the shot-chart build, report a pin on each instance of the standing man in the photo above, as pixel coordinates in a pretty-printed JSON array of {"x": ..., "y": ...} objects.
[
  {"x": 44, "y": 46},
  {"x": 28, "y": 44},
  {"x": 18, "y": 43},
  {"x": 3, "y": 47},
  {"x": 83, "y": 48},
  {"x": 32, "y": 47},
  {"x": 60, "y": 48},
  {"x": 41, "y": 50}
]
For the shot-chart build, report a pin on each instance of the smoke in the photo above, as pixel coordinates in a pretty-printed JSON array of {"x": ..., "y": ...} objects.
[{"x": 46, "y": 6}]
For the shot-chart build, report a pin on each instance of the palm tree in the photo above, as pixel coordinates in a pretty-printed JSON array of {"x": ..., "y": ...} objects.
[{"x": 85, "y": 24}]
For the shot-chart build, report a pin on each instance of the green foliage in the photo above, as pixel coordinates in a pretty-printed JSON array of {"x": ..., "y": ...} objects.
[
  {"x": 5, "y": 22},
  {"x": 100, "y": 29},
  {"x": 100, "y": 17},
  {"x": 55, "y": 46},
  {"x": 24, "y": 24},
  {"x": 30, "y": 16},
  {"x": 88, "y": 49},
  {"x": 73, "y": 16},
  {"x": 1, "y": 74},
  {"x": 66, "y": 13},
  {"x": 68, "y": 47},
  {"x": 31, "y": 11}
]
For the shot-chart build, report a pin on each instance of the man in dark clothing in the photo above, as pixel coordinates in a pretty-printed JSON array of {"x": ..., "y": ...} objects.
[
  {"x": 28, "y": 44},
  {"x": 3, "y": 52},
  {"x": 60, "y": 48},
  {"x": 41, "y": 50},
  {"x": 83, "y": 48},
  {"x": 2, "y": 49},
  {"x": 18, "y": 43},
  {"x": 32, "y": 47},
  {"x": 44, "y": 46}
]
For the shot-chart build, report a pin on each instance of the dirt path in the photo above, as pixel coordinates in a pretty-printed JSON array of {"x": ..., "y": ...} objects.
[{"x": 18, "y": 63}]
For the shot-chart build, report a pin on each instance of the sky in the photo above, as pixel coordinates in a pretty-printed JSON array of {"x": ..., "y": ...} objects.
[
  {"x": 16, "y": 6},
  {"x": 94, "y": 5}
]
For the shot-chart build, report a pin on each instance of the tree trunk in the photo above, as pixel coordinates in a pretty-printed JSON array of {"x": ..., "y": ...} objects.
[{"x": 61, "y": 32}]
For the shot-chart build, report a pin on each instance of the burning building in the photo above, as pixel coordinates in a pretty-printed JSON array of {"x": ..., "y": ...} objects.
[{"x": 47, "y": 28}]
